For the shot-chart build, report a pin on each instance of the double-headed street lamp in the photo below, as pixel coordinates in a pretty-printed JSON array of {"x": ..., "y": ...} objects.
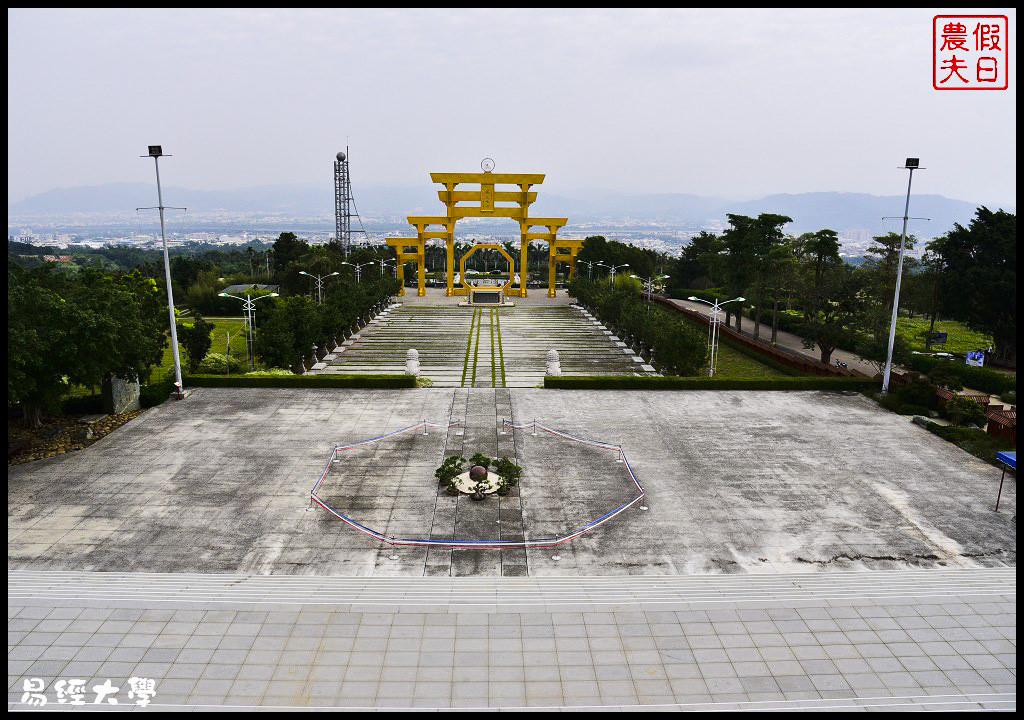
[
  {"x": 590, "y": 268},
  {"x": 249, "y": 308},
  {"x": 319, "y": 283},
  {"x": 394, "y": 268},
  {"x": 649, "y": 283},
  {"x": 359, "y": 267},
  {"x": 613, "y": 268},
  {"x": 713, "y": 330}
]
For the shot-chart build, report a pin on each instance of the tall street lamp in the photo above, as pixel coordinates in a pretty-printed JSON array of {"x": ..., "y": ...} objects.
[
  {"x": 713, "y": 330},
  {"x": 590, "y": 268},
  {"x": 156, "y": 152},
  {"x": 249, "y": 308},
  {"x": 319, "y": 283},
  {"x": 613, "y": 268},
  {"x": 359, "y": 267},
  {"x": 383, "y": 263},
  {"x": 911, "y": 165}
]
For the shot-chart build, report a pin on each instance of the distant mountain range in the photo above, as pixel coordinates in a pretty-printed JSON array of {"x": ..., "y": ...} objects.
[{"x": 810, "y": 211}]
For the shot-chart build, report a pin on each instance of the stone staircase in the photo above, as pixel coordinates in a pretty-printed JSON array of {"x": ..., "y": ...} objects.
[{"x": 484, "y": 347}]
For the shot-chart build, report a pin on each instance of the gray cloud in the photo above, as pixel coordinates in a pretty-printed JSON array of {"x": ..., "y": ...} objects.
[{"x": 715, "y": 102}]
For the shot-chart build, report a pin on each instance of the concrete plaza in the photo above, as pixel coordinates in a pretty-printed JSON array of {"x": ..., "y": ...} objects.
[
  {"x": 800, "y": 551},
  {"x": 735, "y": 482}
]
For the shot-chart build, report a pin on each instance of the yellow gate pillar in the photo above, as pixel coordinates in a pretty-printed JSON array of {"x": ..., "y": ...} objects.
[
  {"x": 400, "y": 274},
  {"x": 524, "y": 265},
  {"x": 551, "y": 270}
]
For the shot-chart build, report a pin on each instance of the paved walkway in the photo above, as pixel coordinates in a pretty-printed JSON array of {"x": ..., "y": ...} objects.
[
  {"x": 787, "y": 340},
  {"x": 908, "y": 640}
]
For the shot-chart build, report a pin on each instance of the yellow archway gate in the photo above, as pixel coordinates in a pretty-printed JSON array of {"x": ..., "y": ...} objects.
[{"x": 481, "y": 201}]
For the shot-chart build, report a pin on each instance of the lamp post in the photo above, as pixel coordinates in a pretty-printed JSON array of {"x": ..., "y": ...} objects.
[
  {"x": 249, "y": 308},
  {"x": 319, "y": 283},
  {"x": 590, "y": 269},
  {"x": 911, "y": 165},
  {"x": 156, "y": 152},
  {"x": 394, "y": 268},
  {"x": 713, "y": 330},
  {"x": 613, "y": 268},
  {"x": 359, "y": 267},
  {"x": 649, "y": 283}
]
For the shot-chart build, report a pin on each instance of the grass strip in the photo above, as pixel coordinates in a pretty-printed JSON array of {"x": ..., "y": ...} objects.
[
  {"x": 469, "y": 345},
  {"x": 501, "y": 348},
  {"x": 494, "y": 370},
  {"x": 476, "y": 345}
]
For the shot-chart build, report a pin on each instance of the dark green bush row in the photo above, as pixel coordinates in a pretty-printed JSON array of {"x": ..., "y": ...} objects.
[
  {"x": 596, "y": 382},
  {"x": 677, "y": 343},
  {"x": 82, "y": 405},
  {"x": 897, "y": 404},
  {"x": 302, "y": 381},
  {"x": 152, "y": 394},
  {"x": 983, "y": 379},
  {"x": 976, "y": 442}
]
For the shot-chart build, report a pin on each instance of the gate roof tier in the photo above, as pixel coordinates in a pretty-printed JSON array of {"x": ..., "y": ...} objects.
[{"x": 488, "y": 178}]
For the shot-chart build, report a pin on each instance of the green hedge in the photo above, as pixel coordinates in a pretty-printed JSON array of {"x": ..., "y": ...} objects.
[
  {"x": 302, "y": 381},
  {"x": 623, "y": 382},
  {"x": 82, "y": 405},
  {"x": 976, "y": 442},
  {"x": 978, "y": 378}
]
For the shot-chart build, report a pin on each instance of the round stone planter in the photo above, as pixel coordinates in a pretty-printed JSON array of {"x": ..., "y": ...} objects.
[{"x": 467, "y": 486}]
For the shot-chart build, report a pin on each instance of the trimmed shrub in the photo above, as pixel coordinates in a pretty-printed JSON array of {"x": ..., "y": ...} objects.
[
  {"x": 979, "y": 378},
  {"x": 919, "y": 391},
  {"x": 289, "y": 380},
  {"x": 965, "y": 410},
  {"x": 976, "y": 442},
  {"x": 153, "y": 394},
  {"x": 83, "y": 405},
  {"x": 1009, "y": 397},
  {"x": 637, "y": 382},
  {"x": 219, "y": 364}
]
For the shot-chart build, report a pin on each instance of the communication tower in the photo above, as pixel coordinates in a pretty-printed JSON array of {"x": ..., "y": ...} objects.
[{"x": 343, "y": 204}]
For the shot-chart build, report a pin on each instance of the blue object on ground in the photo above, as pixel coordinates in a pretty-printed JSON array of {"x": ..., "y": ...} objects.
[{"x": 1008, "y": 458}]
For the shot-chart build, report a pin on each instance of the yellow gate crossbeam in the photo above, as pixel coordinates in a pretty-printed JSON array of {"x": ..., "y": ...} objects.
[{"x": 476, "y": 196}]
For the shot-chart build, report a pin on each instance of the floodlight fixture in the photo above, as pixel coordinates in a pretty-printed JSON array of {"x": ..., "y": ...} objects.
[
  {"x": 912, "y": 163},
  {"x": 156, "y": 151}
]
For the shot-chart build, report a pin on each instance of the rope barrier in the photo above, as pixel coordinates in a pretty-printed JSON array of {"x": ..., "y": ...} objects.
[{"x": 537, "y": 543}]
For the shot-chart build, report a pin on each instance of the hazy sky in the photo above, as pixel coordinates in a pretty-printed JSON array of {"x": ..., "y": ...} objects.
[{"x": 712, "y": 102}]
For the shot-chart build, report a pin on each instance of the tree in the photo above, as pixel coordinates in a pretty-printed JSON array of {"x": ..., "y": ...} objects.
[
  {"x": 746, "y": 243},
  {"x": 829, "y": 294},
  {"x": 697, "y": 263},
  {"x": 776, "y": 279},
  {"x": 978, "y": 284},
  {"x": 65, "y": 330},
  {"x": 287, "y": 249},
  {"x": 196, "y": 340}
]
